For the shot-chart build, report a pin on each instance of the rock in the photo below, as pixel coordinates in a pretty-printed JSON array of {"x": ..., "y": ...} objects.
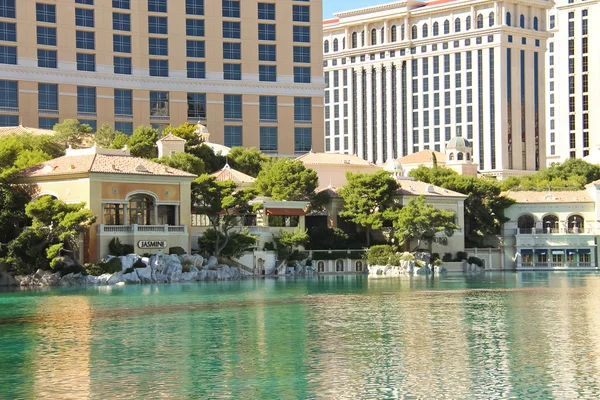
[
  {"x": 189, "y": 276},
  {"x": 7, "y": 280},
  {"x": 115, "y": 278},
  {"x": 74, "y": 279},
  {"x": 202, "y": 275},
  {"x": 424, "y": 271},
  {"x": 131, "y": 277},
  {"x": 195, "y": 260},
  {"x": 144, "y": 274},
  {"x": 212, "y": 262},
  {"x": 103, "y": 279},
  {"x": 127, "y": 261}
]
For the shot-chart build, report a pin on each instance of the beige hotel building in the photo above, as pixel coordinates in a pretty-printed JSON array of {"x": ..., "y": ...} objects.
[{"x": 252, "y": 71}]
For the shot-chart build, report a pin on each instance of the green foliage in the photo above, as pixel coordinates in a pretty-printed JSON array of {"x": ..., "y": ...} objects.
[
  {"x": 212, "y": 162},
  {"x": 110, "y": 267},
  {"x": 235, "y": 244},
  {"x": 437, "y": 262},
  {"x": 270, "y": 246},
  {"x": 573, "y": 174},
  {"x": 422, "y": 222},
  {"x": 380, "y": 254},
  {"x": 247, "y": 160},
  {"x": 475, "y": 260},
  {"x": 25, "y": 254},
  {"x": 285, "y": 179},
  {"x": 177, "y": 250},
  {"x": 139, "y": 264},
  {"x": 118, "y": 249},
  {"x": 184, "y": 162},
  {"x": 288, "y": 241},
  {"x": 187, "y": 132},
  {"x": 13, "y": 199},
  {"x": 105, "y": 136},
  {"x": 369, "y": 199},
  {"x": 143, "y": 142},
  {"x": 407, "y": 257},
  {"x": 447, "y": 257},
  {"x": 120, "y": 141},
  {"x": 461, "y": 255},
  {"x": 484, "y": 205},
  {"x": 22, "y": 151},
  {"x": 327, "y": 238},
  {"x": 71, "y": 132}
]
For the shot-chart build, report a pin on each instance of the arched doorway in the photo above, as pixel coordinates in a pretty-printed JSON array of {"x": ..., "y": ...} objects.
[
  {"x": 141, "y": 210},
  {"x": 550, "y": 223},
  {"x": 358, "y": 266},
  {"x": 339, "y": 266},
  {"x": 525, "y": 223},
  {"x": 576, "y": 224},
  {"x": 321, "y": 266}
]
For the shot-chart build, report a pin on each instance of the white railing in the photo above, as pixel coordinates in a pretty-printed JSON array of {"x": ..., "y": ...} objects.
[
  {"x": 551, "y": 265},
  {"x": 132, "y": 229},
  {"x": 554, "y": 231}
]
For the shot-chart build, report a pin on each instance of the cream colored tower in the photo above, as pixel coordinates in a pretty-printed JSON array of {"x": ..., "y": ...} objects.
[{"x": 250, "y": 70}]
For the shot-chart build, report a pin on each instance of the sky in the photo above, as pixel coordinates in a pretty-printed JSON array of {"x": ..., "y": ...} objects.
[{"x": 332, "y": 6}]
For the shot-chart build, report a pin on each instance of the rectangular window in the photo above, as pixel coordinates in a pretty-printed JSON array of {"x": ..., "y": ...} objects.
[
  {"x": 196, "y": 69},
  {"x": 232, "y": 51},
  {"x": 267, "y": 52},
  {"x": 159, "y": 67},
  {"x": 266, "y": 11},
  {"x": 86, "y": 62},
  {"x": 159, "y": 104},
  {"x": 87, "y": 2},
  {"x": 122, "y": 4},
  {"x": 231, "y": 30},
  {"x": 196, "y": 106},
  {"x": 85, "y": 40},
  {"x": 122, "y": 65},
  {"x": 233, "y": 136},
  {"x": 301, "y": 34},
  {"x": 195, "y": 48},
  {"x": 266, "y": 32},
  {"x": 194, "y": 27},
  {"x": 8, "y": 55},
  {"x": 123, "y": 102},
  {"x": 9, "y": 120},
  {"x": 302, "y": 74},
  {"x": 157, "y": 6},
  {"x": 268, "y": 108},
  {"x": 157, "y": 25},
  {"x": 301, "y": 13},
  {"x": 9, "y": 94},
  {"x": 302, "y": 55},
  {"x": 47, "y": 97},
  {"x": 46, "y": 36},
  {"x": 268, "y": 138},
  {"x": 232, "y": 72},
  {"x": 121, "y": 22},
  {"x": 267, "y": 73},
  {"x": 124, "y": 127},
  {"x": 231, "y": 8},
  {"x": 121, "y": 44},
  {"x": 232, "y": 106},
  {"x": 86, "y": 99},
  {"x": 302, "y": 140},
  {"x": 7, "y": 10},
  {"x": 47, "y": 58},
  {"x": 302, "y": 109},
  {"x": 158, "y": 46},
  {"x": 194, "y": 7},
  {"x": 84, "y": 17},
  {"x": 45, "y": 13},
  {"x": 47, "y": 123},
  {"x": 8, "y": 32}
]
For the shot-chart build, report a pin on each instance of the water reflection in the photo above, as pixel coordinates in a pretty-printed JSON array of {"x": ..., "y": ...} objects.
[{"x": 526, "y": 335}]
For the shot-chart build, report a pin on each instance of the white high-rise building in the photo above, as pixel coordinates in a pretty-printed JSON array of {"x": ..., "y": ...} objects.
[
  {"x": 571, "y": 59},
  {"x": 408, "y": 76}
]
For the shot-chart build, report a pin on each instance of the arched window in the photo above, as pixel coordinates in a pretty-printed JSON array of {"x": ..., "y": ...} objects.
[
  {"x": 425, "y": 30},
  {"x": 394, "y": 37},
  {"x": 362, "y": 38},
  {"x": 451, "y": 156},
  {"x": 373, "y": 37},
  {"x": 343, "y": 43},
  {"x": 457, "y": 25},
  {"x": 525, "y": 224},
  {"x": 326, "y": 46},
  {"x": 459, "y": 156},
  {"x": 576, "y": 224},
  {"x": 491, "y": 19},
  {"x": 522, "y": 21},
  {"x": 321, "y": 266},
  {"x": 382, "y": 35},
  {"x": 141, "y": 210},
  {"x": 535, "y": 23},
  {"x": 358, "y": 266},
  {"x": 354, "y": 40},
  {"x": 335, "y": 45},
  {"x": 508, "y": 22},
  {"x": 402, "y": 32},
  {"x": 414, "y": 31},
  {"x": 446, "y": 27},
  {"x": 479, "y": 21},
  {"x": 468, "y": 23},
  {"x": 339, "y": 266},
  {"x": 550, "y": 223},
  {"x": 436, "y": 29},
  {"x": 468, "y": 156}
]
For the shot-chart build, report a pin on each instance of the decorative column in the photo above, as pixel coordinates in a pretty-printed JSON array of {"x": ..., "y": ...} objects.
[
  {"x": 389, "y": 111},
  {"x": 366, "y": 33},
  {"x": 385, "y": 37},
  {"x": 351, "y": 106},
  {"x": 346, "y": 35},
  {"x": 379, "y": 127},
  {"x": 409, "y": 113},
  {"x": 177, "y": 215},
  {"x": 359, "y": 113},
  {"x": 399, "y": 117},
  {"x": 369, "y": 131},
  {"x": 155, "y": 214},
  {"x": 125, "y": 215}
]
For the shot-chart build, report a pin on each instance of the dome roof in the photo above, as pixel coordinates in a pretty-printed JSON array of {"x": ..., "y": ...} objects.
[
  {"x": 458, "y": 141},
  {"x": 393, "y": 166},
  {"x": 201, "y": 128}
]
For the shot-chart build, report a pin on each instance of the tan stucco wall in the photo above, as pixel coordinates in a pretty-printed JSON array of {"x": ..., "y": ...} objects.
[{"x": 164, "y": 192}]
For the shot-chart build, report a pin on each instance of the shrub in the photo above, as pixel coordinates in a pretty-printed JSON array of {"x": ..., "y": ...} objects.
[
  {"x": 434, "y": 256},
  {"x": 117, "y": 248},
  {"x": 447, "y": 257},
  {"x": 461, "y": 255},
  {"x": 138, "y": 264},
  {"x": 177, "y": 250},
  {"x": 106, "y": 267},
  {"x": 128, "y": 249},
  {"x": 269, "y": 246},
  {"x": 437, "y": 262},
  {"x": 129, "y": 270},
  {"x": 380, "y": 254},
  {"x": 407, "y": 257},
  {"x": 419, "y": 263},
  {"x": 475, "y": 260},
  {"x": 395, "y": 259}
]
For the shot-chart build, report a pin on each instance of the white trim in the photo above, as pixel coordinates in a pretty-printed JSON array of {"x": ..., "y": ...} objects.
[
  {"x": 145, "y": 192},
  {"x": 45, "y": 193}
]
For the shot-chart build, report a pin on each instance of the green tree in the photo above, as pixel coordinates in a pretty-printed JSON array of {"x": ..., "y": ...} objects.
[
  {"x": 22, "y": 151},
  {"x": 224, "y": 205},
  {"x": 187, "y": 132},
  {"x": 105, "y": 136},
  {"x": 236, "y": 245},
  {"x": 120, "y": 141},
  {"x": 55, "y": 230},
  {"x": 143, "y": 142},
  {"x": 285, "y": 179},
  {"x": 247, "y": 160},
  {"x": 422, "y": 222},
  {"x": 573, "y": 174},
  {"x": 369, "y": 199},
  {"x": 212, "y": 162},
  {"x": 183, "y": 161},
  {"x": 71, "y": 132},
  {"x": 288, "y": 241}
]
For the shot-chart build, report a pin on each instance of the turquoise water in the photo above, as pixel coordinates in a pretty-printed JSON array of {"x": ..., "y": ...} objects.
[{"x": 523, "y": 335}]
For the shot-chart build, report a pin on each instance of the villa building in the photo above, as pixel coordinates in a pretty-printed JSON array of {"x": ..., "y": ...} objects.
[
  {"x": 251, "y": 71},
  {"x": 407, "y": 76}
]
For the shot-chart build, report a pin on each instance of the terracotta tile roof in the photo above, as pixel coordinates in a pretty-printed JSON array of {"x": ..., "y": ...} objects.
[
  {"x": 332, "y": 158},
  {"x": 101, "y": 163},
  {"x": 20, "y": 130},
  {"x": 331, "y": 21},
  {"x": 418, "y": 188},
  {"x": 578, "y": 196},
  {"x": 171, "y": 138},
  {"x": 422, "y": 157},
  {"x": 436, "y": 2},
  {"x": 229, "y": 174}
]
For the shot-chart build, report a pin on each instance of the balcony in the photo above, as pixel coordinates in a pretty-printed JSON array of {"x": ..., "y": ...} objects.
[
  {"x": 141, "y": 229},
  {"x": 555, "y": 231},
  {"x": 47, "y": 112},
  {"x": 86, "y": 114},
  {"x": 124, "y": 116},
  {"x": 555, "y": 265}
]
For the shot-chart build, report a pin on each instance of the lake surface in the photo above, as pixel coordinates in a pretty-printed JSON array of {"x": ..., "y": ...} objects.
[{"x": 523, "y": 335}]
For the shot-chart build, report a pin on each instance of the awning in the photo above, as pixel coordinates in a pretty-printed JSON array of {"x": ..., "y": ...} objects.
[
  {"x": 584, "y": 251},
  {"x": 558, "y": 252},
  {"x": 526, "y": 251},
  {"x": 571, "y": 251},
  {"x": 541, "y": 251},
  {"x": 287, "y": 212}
]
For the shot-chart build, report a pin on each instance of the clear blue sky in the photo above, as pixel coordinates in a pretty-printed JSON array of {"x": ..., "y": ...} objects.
[{"x": 332, "y": 6}]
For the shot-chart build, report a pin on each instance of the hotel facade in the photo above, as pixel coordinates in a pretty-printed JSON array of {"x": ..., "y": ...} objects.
[
  {"x": 408, "y": 76},
  {"x": 246, "y": 69}
]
